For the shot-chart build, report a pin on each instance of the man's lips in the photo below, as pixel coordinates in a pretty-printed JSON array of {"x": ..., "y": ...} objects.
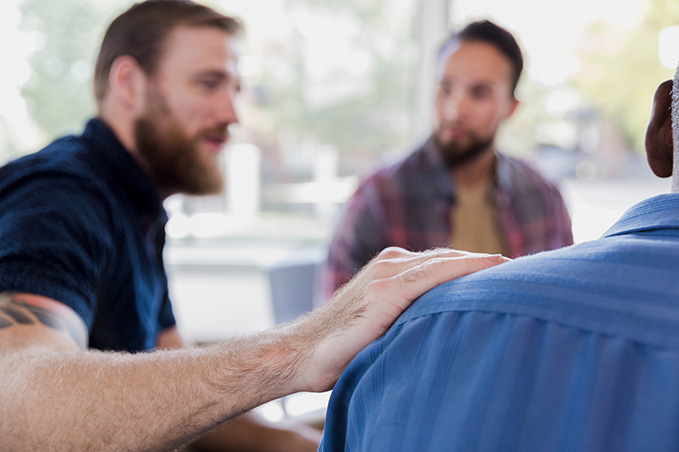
[
  {"x": 215, "y": 141},
  {"x": 453, "y": 133}
]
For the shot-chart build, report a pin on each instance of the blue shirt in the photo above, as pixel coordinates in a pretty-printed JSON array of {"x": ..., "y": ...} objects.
[
  {"x": 81, "y": 223},
  {"x": 570, "y": 350}
]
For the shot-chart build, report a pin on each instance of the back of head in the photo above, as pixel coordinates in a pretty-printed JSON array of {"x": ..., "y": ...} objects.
[
  {"x": 141, "y": 31},
  {"x": 490, "y": 33}
]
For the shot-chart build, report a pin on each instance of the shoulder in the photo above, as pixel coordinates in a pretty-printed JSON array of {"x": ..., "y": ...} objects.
[
  {"x": 583, "y": 286},
  {"x": 65, "y": 163},
  {"x": 66, "y": 157},
  {"x": 488, "y": 289},
  {"x": 57, "y": 183}
]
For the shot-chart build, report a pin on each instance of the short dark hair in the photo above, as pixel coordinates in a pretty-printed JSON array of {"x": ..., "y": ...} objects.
[
  {"x": 490, "y": 33},
  {"x": 140, "y": 32}
]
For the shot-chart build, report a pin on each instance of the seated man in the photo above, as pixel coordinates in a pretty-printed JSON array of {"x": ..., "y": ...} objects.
[
  {"x": 85, "y": 315},
  {"x": 456, "y": 189},
  {"x": 571, "y": 350}
]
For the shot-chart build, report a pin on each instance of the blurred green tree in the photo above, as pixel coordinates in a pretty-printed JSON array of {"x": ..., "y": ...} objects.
[
  {"x": 371, "y": 114},
  {"x": 59, "y": 91},
  {"x": 621, "y": 69}
]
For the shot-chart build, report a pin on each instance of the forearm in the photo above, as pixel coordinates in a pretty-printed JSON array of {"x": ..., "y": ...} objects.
[
  {"x": 51, "y": 399},
  {"x": 250, "y": 432},
  {"x": 154, "y": 401}
]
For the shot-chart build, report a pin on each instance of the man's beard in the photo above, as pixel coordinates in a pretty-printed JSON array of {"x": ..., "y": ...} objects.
[
  {"x": 454, "y": 154},
  {"x": 172, "y": 157}
]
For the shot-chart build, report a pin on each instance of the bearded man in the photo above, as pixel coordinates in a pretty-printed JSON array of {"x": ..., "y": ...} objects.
[
  {"x": 84, "y": 306},
  {"x": 457, "y": 190}
]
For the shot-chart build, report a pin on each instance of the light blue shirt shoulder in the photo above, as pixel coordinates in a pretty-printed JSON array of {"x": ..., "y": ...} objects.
[{"x": 575, "y": 349}]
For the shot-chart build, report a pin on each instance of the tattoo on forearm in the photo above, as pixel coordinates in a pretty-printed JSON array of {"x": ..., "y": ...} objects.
[
  {"x": 4, "y": 323},
  {"x": 18, "y": 316},
  {"x": 15, "y": 311}
]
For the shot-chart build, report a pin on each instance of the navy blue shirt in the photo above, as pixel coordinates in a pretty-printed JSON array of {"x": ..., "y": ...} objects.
[
  {"x": 569, "y": 350},
  {"x": 81, "y": 223}
]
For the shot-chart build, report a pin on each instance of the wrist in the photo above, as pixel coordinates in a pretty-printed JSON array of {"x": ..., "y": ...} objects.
[{"x": 267, "y": 365}]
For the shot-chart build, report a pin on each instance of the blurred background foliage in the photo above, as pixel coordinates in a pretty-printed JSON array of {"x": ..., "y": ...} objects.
[
  {"x": 621, "y": 71},
  {"x": 343, "y": 73},
  {"x": 59, "y": 91}
]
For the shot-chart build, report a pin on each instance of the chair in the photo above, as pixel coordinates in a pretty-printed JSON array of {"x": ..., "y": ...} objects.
[{"x": 294, "y": 283}]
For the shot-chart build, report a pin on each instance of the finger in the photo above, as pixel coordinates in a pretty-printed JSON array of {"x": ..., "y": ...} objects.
[
  {"x": 393, "y": 261},
  {"x": 417, "y": 280},
  {"x": 396, "y": 253}
]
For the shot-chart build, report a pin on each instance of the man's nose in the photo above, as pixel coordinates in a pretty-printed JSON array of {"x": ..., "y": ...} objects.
[
  {"x": 455, "y": 106},
  {"x": 226, "y": 109}
]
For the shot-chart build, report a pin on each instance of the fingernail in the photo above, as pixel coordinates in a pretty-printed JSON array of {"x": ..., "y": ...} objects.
[{"x": 500, "y": 258}]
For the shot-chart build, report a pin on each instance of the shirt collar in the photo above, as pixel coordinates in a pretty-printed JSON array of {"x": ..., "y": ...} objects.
[
  {"x": 127, "y": 171},
  {"x": 658, "y": 212}
]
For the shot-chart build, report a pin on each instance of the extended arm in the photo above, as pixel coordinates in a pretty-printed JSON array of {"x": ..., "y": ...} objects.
[
  {"x": 250, "y": 432},
  {"x": 57, "y": 396}
]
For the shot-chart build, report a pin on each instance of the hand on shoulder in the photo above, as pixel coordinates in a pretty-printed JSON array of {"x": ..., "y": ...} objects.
[{"x": 364, "y": 308}]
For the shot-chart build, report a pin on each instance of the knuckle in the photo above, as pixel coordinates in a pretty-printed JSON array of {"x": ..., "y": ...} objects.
[
  {"x": 451, "y": 252},
  {"x": 391, "y": 252},
  {"x": 385, "y": 268}
]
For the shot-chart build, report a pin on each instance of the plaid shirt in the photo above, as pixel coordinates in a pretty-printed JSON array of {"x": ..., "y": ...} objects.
[{"x": 409, "y": 205}]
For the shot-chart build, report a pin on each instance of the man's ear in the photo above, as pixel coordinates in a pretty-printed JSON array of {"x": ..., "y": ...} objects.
[
  {"x": 659, "y": 142},
  {"x": 127, "y": 82}
]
